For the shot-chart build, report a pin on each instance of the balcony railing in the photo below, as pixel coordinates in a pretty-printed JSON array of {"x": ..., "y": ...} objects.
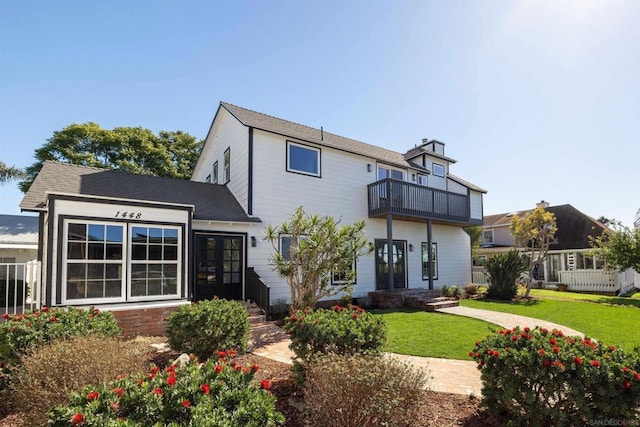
[{"x": 390, "y": 196}]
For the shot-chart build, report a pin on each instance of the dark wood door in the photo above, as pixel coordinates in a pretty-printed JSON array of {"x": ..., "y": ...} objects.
[
  {"x": 399, "y": 264},
  {"x": 219, "y": 266}
]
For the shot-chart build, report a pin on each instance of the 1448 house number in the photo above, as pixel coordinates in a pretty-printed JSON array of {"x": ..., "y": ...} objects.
[{"x": 130, "y": 215}]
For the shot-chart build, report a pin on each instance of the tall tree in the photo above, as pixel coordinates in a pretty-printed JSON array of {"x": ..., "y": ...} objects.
[
  {"x": 475, "y": 234},
  {"x": 9, "y": 173},
  {"x": 620, "y": 247},
  {"x": 534, "y": 232},
  {"x": 317, "y": 249},
  {"x": 128, "y": 149}
]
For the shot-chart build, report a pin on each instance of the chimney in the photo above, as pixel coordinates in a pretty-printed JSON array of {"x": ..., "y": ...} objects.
[{"x": 542, "y": 204}]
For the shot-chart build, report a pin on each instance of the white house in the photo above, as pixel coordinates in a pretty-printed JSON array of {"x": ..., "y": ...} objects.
[{"x": 124, "y": 242}]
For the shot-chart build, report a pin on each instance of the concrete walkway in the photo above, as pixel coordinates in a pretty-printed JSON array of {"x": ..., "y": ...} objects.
[{"x": 447, "y": 375}]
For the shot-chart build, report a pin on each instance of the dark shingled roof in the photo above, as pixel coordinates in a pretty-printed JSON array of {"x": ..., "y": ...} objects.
[
  {"x": 284, "y": 127},
  {"x": 574, "y": 227},
  {"x": 212, "y": 202}
]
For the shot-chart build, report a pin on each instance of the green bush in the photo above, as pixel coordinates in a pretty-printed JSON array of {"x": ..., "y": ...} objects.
[
  {"x": 449, "y": 291},
  {"x": 54, "y": 370},
  {"x": 16, "y": 295},
  {"x": 362, "y": 390},
  {"x": 206, "y": 326},
  {"x": 503, "y": 270},
  {"x": 31, "y": 329},
  {"x": 339, "y": 330},
  {"x": 537, "y": 377},
  {"x": 215, "y": 393}
]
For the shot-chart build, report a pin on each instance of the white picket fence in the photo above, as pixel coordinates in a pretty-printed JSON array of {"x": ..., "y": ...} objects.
[
  {"x": 609, "y": 281},
  {"x": 19, "y": 287},
  {"x": 480, "y": 278}
]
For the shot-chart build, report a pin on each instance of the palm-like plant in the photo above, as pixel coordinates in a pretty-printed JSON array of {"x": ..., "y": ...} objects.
[{"x": 503, "y": 270}]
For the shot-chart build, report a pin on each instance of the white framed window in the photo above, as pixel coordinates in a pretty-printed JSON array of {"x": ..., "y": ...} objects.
[
  {"x": 348, "y": 274},
  {"x": 429, "y": 266},
  {"x": 227, "y": 165},
  {"x": 303, "y": 159},
  {"x": 422, "y": 180},
  {"x": 100, "y": 258},
  {"x": 438, "y": 170},
  {"x": 94, "y": 255},
  {"x": 487, "y": 236},
  {"x": 389, "y": 172},
  {"x": 214, "y": 178}
]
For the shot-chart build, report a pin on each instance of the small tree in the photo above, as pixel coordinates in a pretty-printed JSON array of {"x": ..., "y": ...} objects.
[
  {"x": 315, "y": 248},
  {"x": 534, "y": 232},
  {"x": 620, "y": 247}
]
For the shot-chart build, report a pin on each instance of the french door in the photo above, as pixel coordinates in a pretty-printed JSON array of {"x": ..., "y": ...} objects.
[{"x": 219, "y": 268}]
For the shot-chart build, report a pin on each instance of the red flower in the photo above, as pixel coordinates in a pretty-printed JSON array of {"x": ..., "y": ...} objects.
[
  {"x": 222, "y": 354},
  {"x": 77, "y": 419},
  {"x": 170, "y": 368},
  {"x": 186, "y": 404},
  {"x": 154, "y": 369},
  {"x": 471, "y": 354},
  {"x": 205, "y": 388},
  {"x": 556, "y": 349},
  {"x": 595, "y": 363},
  {"x": 355, "y": 315},
  {"x": 546, "y": 363},
  {"x": 232, "y": 353},
  {"x": 626, "y": 384},
  {"x": 265, "y": 384},
  {"x": 93, "y": 395},
  {"x": 157, "y": 391},
  {"x": 552, "y": 341},
  {"x": 115, "y": 406},
  {"x": 559, "y": 364},
  {"x": 255, "y": 367},
  {"x": 577, "y": 360},
  {"x": 53, "y": 318},
  {"x": 514, "y": 338},
  {"x": 526, "y": 329},
  {"x": 541, "y": 352},
  {"x": 625, "y": 369},
  {"x": 612, "y": 348},
  {"x": 119, "y": 391},
  {"x": 171, "y": 380},
  {"x": 45, "y": 309},
  {"x": 218, "y": 369},
  {"x": 5, "y": 315}
]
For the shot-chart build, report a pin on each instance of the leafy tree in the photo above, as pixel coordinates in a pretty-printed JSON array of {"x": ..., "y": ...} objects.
[
  {"x": 128, "y": 149},
  {"x": 8, "y": 173},
  {"x": 475, "y": 234},
  {"x": 316, "y": 248},
  {"x": 534, "y": 232},
  {"x": 620, "y": 247}
]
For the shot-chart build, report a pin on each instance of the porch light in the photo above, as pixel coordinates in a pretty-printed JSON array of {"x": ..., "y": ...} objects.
[
  {"x": 410, "y": 247},
  {"x": 369, "y": 167},
  {"x": 253, "y": 241}
]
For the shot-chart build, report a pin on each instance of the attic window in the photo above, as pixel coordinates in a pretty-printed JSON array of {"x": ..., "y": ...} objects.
[
  {"x": 438, "y": 170},
  {"x": 303, "y": 159}
]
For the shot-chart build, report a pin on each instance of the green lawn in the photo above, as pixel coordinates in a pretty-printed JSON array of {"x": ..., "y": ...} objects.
[
  {"x": 420, "y": 333},
  {"x": 612, "y": 320}
]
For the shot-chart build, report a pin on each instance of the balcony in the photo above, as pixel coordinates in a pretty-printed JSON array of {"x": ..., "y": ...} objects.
[{"x": 415, "y": 202}]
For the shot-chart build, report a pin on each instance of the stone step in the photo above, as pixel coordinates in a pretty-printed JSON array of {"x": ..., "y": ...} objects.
[
  {"x": 257, "y": 318},
  {"x": 433, "y": 306}
]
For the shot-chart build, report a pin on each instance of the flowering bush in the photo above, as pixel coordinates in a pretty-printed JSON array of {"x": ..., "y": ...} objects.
[
  {"x": 63, "y": 366},
  {"x": 215, "y": 393},
  {"x": 362, "y": 390},
  {"x": 541, "y": 377},
  {"x": 339, "y": 330},
  {"x": 206, "y": 326},
  {"x": 31, "y": 329}
]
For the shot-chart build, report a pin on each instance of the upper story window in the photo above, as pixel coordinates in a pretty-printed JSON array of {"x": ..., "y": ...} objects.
[
  {"x": 422, "y": 180},
  {"x": 438, "y": 170},
  {"x": 303, "y": 159},
  {"x": 387, "y": 172},
  {"x": 227, "y": 165},
  {"x": 215, "y": 173},
  {"x": 487, "y": 236}
]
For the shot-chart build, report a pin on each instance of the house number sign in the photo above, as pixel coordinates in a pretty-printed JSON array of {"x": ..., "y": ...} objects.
[{"x": 130, "y": 215}]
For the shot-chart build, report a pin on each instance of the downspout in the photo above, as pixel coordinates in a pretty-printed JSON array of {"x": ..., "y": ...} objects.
[{"x": 430, "y": 253}]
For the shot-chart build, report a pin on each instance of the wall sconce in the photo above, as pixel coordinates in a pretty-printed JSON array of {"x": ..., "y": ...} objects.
[
  {"x": 369, "y": 167},
  {"x": 410, "y": 247},
  {"x": 253, "y": 241}
]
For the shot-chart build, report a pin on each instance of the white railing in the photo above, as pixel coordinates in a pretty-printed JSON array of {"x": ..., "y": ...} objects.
[
  {"x": 19, "y": 287},
  {"x": 593, "y": 280},
  {"x": 480, "y": 278}
]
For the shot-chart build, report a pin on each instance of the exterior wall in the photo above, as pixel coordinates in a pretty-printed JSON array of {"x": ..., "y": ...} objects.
[
  {"x": 476, "y": 205},
  {"x": 21, "y": 255},
  {"x": 455, "y": 187},
  {"x": 502, "y": 236},
  {"x": 436, "y": 181},
  {"x": 227, "y": 132},
  {"x": 143, "y": 321}
]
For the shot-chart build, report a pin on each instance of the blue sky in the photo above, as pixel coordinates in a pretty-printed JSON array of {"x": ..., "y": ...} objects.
[{"x": 536, "y": 100}]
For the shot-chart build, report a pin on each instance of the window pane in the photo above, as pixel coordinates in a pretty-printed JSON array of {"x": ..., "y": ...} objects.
[
  {"x": 112, "y": 288},
  {"x": 155, "y": 252},
  {"x": 95, "y": 251},
  {"x": 114, "y": 251},
  {"x": 303, "y": 159},
  {"x": 285, "y": 247},
  {"x": 139, "y": 234},
  {"x": 155, "y": 235},
  {"x": 114, "y": 233},
  {"x": 95, "y": 289},
  {"x": 171, "y": 236},
  {"x": 170, "y": 253},
  {"x": 77, "y": 232},
  {"x": 139, "y": 252},
  {"x": 96, "y": 232},
  {"x": 138, "y": 288},
  {"x": 75, "y": 250},
  {"x": 95, "y": 271},
  {"x": 396, "y": 174},
  {"x": 383, "y": 173}
]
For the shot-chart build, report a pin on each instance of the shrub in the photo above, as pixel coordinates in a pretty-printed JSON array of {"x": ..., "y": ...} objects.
[
  {"x": 31, "y": 329},
  {"x": 363, "y": 390},
  {"x": 339, "y": 330},
  {"x": 538, "y": 377},
  {"x": 206, "y": 326},
  {"x": 215, "y": 393},
  {"x": 503, "y": 270},
  {"x": 471, "y": 289},
  {"x": 53, "y": 371}
]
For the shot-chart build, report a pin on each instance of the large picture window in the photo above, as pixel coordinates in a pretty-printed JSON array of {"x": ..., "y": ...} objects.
[
  {"x": 427, "y": 266},
  {"x": 303, "y": 159},
  {"x": 100, "y": 257}
]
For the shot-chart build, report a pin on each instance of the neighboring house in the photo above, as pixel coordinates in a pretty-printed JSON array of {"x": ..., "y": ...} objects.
[
  {"x": 18, "y": 238},
  {"x": 126, "y": 242},
  {"x": 569, "y": 255}
]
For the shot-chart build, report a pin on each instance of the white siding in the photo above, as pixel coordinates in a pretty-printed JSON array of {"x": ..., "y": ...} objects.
[
  {"x": 437, "y": 181},
  {"x": 455, "y": 187},
  {"x": 476, "y": 205},
  {"x": 227, "y": 132}
]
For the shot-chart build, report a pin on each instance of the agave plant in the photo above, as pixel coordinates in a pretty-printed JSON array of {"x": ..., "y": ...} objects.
[{"x": 503, "y": 270}]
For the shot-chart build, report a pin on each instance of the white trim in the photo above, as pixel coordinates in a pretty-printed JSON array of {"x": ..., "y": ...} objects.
[
  {"x": 304, "y": 147},
  {"x": 119, "y": 199},
  {"x": 389, "y": 168}
]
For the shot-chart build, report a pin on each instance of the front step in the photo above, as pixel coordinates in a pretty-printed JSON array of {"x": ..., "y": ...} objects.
[{"x": 442, "y": 303}]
